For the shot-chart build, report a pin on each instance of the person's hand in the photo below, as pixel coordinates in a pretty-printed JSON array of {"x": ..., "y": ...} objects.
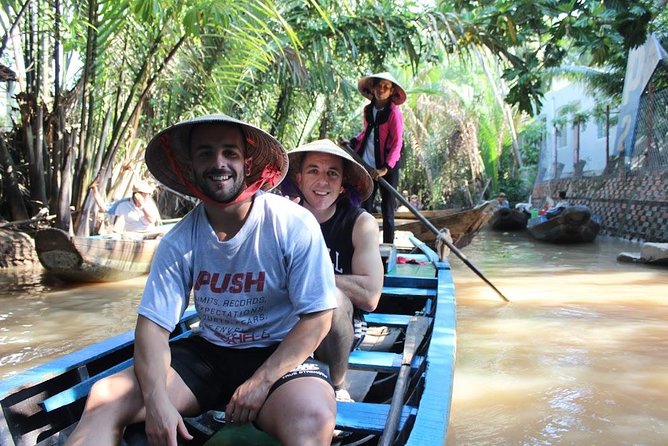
[
  {"x": 246, "y": 402},
  {"x": 164, "y": 424},
  {"x": 141, "y": 199},
  {"x": 381, "y": 172}
]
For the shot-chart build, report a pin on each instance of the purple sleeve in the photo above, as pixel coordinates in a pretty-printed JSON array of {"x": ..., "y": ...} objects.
[{"x": 395, "y": 137}]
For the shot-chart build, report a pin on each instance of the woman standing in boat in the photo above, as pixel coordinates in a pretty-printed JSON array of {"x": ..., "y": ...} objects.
[{"x": 380, "y": 141}]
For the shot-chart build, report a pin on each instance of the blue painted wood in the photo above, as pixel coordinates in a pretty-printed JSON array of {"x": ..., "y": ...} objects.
[
  {"x": 431, "y": 423},
  {"x": 368, "y": 417},
  {"x": 404, "y": 292},
  {"x": 81, "y": 389},
  {"x": 408, "y": 282},
  {"x": 390, "y": 320},
  {"x": 379, "y": 361},
  {"x": 72, "y": 361},
  {"x": 65, "y": 363},
  {"x": 428, "y": 253}
]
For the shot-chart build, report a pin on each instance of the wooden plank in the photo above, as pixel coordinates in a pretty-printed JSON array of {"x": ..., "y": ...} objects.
[
  {"x": 410, "y": 281},
  {"x": 408, "y": 292},
  {"x": 81, "y": 389},
  {"x": 432, "y": 420},
  {"x": 379, "y": 361},
  {"x": 390, "y": 320},
  {"x": 368, "y": 417}
]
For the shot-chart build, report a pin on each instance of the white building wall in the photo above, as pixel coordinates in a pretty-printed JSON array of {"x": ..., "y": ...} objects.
[{"x": 592, "y": 139}]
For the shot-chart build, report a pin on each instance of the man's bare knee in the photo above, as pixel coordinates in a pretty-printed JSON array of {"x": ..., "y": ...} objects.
[{"x": 117, "y": 394}]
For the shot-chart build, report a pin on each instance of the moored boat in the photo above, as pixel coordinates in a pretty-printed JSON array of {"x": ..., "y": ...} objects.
[
  {"x": 97, "y": 258},
  {"x": 41, "y": 405},
  {"x": 574, "y": 224},
  {"x": 508, "y": 219},
  {"x": 463, "y": 225}
]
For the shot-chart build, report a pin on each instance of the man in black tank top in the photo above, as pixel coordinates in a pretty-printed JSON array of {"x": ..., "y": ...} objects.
[{"x": 331, "y": 185}]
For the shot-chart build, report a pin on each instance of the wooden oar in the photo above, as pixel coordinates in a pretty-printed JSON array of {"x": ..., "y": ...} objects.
[
  {"x": 415, "y": 333},
  {"x": 427, "y": 223}
]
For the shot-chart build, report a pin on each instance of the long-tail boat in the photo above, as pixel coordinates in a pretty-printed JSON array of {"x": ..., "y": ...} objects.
[
  {"x": 97, "y": 258},
  {"x": 463, "y": 225}
]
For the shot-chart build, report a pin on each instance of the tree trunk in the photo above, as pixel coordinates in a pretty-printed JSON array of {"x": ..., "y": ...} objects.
[
  {"x": 37, "y": 171},
  {"x": 64, "y": 214},
  {"x": 122, "y": 124},
  {"x": 13, "y": 27},
  {"x": 57, "y": 120},
  {"x": 11, "y": 186}
]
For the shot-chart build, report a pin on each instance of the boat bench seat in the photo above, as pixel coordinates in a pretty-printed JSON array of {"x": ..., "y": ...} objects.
[
  {"x": 359, "y": 360},
  {"x": 379, "y": 361},
  {"x": 368, "y": 417},
  {"x": 388, "y": 320},
  {"x": 408, "y": 291}
]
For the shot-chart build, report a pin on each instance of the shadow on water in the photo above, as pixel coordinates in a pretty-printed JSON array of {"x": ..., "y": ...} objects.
[
  {"x": 43, "y": 318},
  {"x": 580, "y": 356}
]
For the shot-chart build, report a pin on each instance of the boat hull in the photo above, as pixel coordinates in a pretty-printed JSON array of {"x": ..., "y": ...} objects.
[
  {"x": 42, "y": 405},
  {"x": 94, "y": 258},
  {"x": 574, "y": 225},
  {"x": 462, "y": 225},
  {"x": 506, "y": 219}
]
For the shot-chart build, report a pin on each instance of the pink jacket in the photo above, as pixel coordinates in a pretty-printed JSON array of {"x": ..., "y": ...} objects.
[{"x": 391, "y": 136}]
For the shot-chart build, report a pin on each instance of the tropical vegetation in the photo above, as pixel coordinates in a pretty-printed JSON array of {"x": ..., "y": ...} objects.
[{"x": 90, "y": 81}]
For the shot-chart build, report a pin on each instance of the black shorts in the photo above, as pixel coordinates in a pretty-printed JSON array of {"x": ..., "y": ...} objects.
[{"x": 213, "y": 373}]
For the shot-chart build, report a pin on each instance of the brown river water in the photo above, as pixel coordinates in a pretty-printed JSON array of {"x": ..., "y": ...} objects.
[{"x": 579, "y": 357}]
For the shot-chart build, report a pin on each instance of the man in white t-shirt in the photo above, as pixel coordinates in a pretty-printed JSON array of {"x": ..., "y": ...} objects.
[
  {"x": 263, "y": 286},
  {"x": 137, "y": 213}
]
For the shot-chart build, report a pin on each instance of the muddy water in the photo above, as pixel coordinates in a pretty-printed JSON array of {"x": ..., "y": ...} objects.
[
  {"x": 42, "y": 318},
  {"x": 580, "y": 356}
]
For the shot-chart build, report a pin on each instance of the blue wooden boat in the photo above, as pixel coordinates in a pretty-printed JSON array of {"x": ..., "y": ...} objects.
[{"x": 42, "y": 405}]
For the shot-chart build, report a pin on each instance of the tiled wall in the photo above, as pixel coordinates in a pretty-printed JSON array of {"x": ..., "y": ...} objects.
[{"x": 631, "y": 205}]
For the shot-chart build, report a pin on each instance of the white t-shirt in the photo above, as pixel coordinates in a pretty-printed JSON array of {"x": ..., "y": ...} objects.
[
  {"x": 248, "y": 290},
  {"x": 369, "y": 153},
  {"x": 133, "y": 217}
]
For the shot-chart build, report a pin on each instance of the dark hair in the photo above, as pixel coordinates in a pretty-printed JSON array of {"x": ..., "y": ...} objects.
[{"x": 562, "y": 194}]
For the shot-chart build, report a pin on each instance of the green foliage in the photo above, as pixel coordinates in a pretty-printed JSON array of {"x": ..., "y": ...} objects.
[
  {"x": 532, "y": 35},
  {"x": 291, "y": 67}
]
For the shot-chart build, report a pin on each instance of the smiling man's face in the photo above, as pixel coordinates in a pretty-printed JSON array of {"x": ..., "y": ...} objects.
[
  {"x": 218, "y": 163},
  {"x": 320, "y": 179}
]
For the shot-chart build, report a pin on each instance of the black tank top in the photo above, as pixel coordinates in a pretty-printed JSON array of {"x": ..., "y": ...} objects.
[{"x": 338, "y": 234}]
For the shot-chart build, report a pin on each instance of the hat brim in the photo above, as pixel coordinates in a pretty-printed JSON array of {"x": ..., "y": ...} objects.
[
  {"x": 354, "y": 174},
  {"x": 365, "y": 87},
  {"x": 168, "y": 153}
]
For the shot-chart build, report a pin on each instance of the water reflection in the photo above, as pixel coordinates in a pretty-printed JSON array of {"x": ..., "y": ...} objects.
[
  {"x": 580, "y": 356},
  {"x": 43, "y": 318}
]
